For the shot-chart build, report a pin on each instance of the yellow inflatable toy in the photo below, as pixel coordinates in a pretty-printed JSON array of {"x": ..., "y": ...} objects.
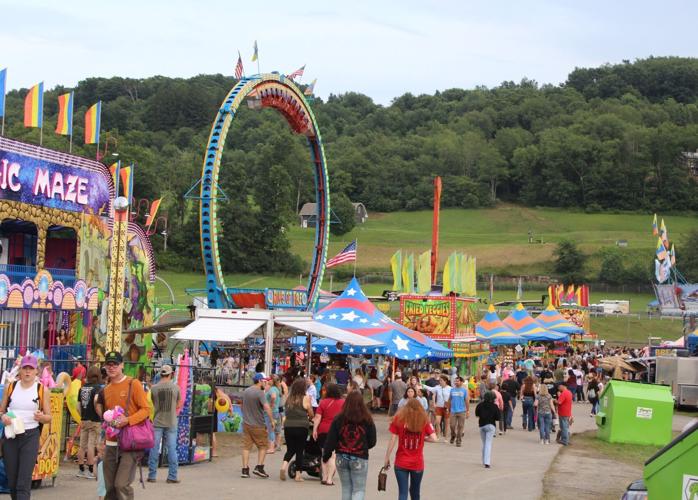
[
  {"x": 71, "y": 400},
  {"x": 222, "y": 405},
  {"x": 63, "y": 382}
]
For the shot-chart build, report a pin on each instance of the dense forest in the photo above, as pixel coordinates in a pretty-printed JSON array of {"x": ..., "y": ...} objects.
[{"x": 608, "y": 138}]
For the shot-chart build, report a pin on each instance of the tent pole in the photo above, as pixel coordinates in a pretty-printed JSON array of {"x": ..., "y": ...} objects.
[
  {"x": 269, "y": 346},
  {"x": 308, "y": 353}
]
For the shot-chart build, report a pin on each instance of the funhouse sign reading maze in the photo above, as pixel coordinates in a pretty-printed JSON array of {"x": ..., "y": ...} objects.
[{"x": 41, "y": 182}]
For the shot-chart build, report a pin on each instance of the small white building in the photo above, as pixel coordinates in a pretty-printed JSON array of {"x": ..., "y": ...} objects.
[{"x": 308, "y": 214}]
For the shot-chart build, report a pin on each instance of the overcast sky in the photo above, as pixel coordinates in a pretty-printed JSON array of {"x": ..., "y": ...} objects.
[{"x": 380, "y": 48}]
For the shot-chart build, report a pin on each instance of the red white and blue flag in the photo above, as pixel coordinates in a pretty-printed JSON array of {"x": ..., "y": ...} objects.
[
  {"x": 346, "y": 255},
  {"x": 298, "y": 72},
  {"x": 239, "y": 71}
]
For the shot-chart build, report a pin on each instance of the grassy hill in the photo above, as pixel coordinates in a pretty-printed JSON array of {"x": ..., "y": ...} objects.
[
  {"x": 617, "y": 330},
  {"x": 498, "y": 237}
]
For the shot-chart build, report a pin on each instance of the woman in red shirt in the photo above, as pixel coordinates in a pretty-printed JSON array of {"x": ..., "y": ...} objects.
[
  {"x": 410, "y": 428},
  {"x": 330, "y": 406}
]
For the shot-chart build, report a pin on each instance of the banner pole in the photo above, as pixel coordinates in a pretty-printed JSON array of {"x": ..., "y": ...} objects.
[{"x": 357, "y": 255}]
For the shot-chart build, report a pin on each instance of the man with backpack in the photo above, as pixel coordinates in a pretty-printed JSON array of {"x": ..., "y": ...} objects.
[
  {"x": 123, "y": 391},
  {"x": 90, "y": 423}
]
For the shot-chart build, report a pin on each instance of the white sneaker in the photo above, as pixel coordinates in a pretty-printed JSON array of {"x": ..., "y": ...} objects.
[
  {"x": 542, "y": 441},
  {"x": 89, "y": 475}
]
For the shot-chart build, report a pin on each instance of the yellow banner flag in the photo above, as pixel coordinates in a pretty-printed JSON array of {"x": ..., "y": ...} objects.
[
  {"x": 408, "y": 274},
  {"x": 424, "y": 273},
  {"x": 396, "y": 268},
  {"x": 469, "y": 286},
  {"x": 447, "y": 283}
]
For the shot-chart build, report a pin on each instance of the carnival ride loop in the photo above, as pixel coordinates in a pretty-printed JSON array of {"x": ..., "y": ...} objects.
[{"x": 271, "y": 90}]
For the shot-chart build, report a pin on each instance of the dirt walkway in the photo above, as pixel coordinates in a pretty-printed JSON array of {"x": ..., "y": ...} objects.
[{"x": 584, "y": 471}]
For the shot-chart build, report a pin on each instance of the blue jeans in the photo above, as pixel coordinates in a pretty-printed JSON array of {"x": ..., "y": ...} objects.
[
  {"x": 171, "y": 444},
  {"x": 594, "y": 405},
  {"x": 352, "y": 474},
  {"x": 545, "y": 423},
  {"x": 528, "y": 412},
  {"x": 487, "y": 435},
  {"x": 510, "y": 414},
  {"x": 408, "y": 480},
  {"x": 565, "y": 430}
]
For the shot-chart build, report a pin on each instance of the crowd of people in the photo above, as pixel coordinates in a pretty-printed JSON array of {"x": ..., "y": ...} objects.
[
  {"x": 324, "y": 419},
  {"x": 331, "y": 412}
]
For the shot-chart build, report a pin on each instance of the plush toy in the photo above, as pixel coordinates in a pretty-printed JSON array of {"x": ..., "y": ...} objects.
[{"x": 110, "y": 430}]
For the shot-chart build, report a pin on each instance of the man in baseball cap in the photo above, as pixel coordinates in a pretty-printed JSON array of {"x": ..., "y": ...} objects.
[
  {"x": 114, "y": 358},
  {"x": 166, "y": 403},
  {"x": 254, "y": 428},
  {"x": 120, "y": 466},
  {"x": 79, "y": 372}
]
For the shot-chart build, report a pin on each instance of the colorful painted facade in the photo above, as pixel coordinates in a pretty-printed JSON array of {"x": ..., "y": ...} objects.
[{"x": 55, "y": 233}]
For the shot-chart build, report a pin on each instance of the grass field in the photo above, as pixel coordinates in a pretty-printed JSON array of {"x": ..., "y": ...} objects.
[
  {"x": 498, "y": 237},
  {"x": 627, "y": 329}
]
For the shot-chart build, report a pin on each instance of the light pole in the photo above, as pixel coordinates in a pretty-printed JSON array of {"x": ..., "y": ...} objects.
[
  {"x": 117, "y": 275},
  {"x": 106, "y": 146},
  {"x": 154, "y": 228},
  {"x": 137, "y": 212}
]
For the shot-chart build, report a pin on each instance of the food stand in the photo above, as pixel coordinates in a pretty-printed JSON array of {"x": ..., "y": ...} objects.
[{"x": 450, "y": 320}]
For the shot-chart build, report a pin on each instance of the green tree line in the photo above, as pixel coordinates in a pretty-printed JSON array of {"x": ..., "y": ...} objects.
[{"x": 610, "y": 138}]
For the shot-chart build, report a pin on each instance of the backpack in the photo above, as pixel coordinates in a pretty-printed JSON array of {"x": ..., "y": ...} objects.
[{"x": 40, "y": 398}]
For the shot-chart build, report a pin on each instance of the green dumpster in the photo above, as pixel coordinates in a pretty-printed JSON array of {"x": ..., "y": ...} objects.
[
  {"x": 672, "y": 473},
  {"x": 630, "y": 412}
]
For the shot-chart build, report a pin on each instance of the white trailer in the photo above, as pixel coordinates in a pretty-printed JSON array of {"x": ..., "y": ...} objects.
[{"x": 682, "y": 375}]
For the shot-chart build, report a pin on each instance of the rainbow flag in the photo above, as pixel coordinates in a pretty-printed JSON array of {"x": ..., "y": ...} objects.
[
  {"x": 255, "y": 56},
  {"x": 114, "y": 171},
  {"x": 92, "y": 123},
  {"x": 655, "y": 230},
  {"x": 34, "y": 106},
  {"x": 310, "y": 88},
  {"x": 65, "y": 114},
  {"x": 3, "y": 79},
  {"x": 126, "y": 175},
  {"x": 661, "y": 251},
  {"x": 153, "y": 212}
]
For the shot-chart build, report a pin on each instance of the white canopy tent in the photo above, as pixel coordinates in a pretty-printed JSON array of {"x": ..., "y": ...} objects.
[{"x": 235, "y": 325}]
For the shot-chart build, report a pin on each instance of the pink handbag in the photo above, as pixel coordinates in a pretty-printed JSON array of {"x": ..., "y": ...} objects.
[{"x": 139, "y": 437}]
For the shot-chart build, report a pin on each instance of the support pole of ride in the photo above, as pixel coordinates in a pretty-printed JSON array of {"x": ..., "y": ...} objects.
[
  {"x": 435, "y": 230},
  {"x": 117, "y": 273}
]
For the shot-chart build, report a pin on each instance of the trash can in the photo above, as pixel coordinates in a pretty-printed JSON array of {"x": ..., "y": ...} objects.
[
  {"x": 673, "y": 471},
  {"x": 631, "y": 412}
]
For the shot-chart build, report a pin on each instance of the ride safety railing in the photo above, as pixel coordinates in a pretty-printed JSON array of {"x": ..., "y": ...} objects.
[{"x": 17, "y": 274}]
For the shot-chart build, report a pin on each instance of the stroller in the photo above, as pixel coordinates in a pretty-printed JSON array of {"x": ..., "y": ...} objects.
[{"x": 312, "y": 457}]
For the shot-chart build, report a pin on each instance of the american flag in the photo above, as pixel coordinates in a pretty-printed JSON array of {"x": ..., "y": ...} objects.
[
  {"x": 298, "y": 72},
  {"x": 238, "y": 68},
  {"x": 346, "y": 255}
]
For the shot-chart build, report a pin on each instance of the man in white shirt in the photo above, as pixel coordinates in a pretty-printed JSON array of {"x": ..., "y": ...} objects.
[
  {"x": 311, "y": 391},
  {"x": 579, "y": 374},
  {"x": 442, "y": 404}
]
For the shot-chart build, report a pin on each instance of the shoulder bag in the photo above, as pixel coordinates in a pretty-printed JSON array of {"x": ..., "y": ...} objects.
[{"x": 139, "y": 437}]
